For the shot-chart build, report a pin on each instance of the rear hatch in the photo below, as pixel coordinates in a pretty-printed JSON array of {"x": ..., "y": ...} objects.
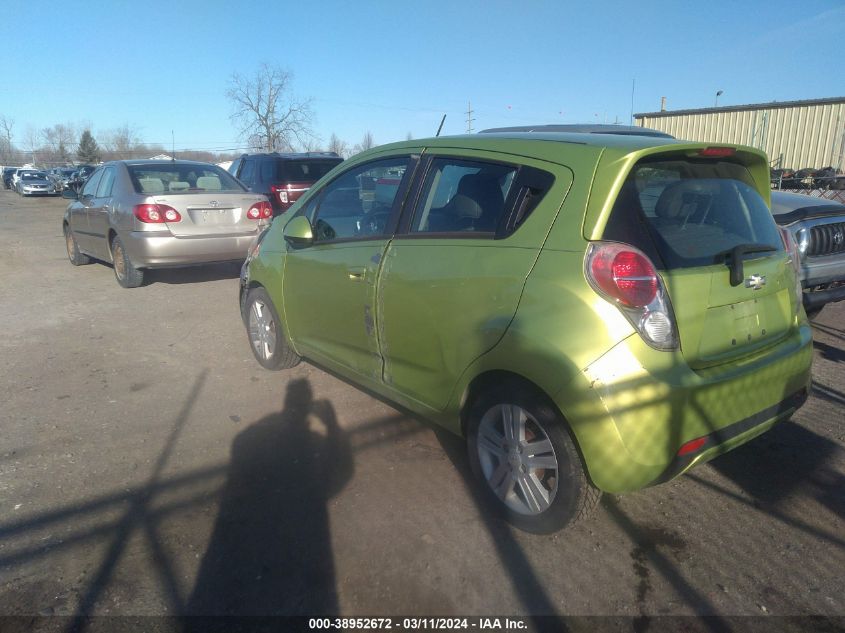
[
  {"x": 707, "y": 228},
  {"x": 295, "y": 177}
]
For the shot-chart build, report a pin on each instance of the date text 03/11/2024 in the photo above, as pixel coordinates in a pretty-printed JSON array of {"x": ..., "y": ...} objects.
[{"x": 417, "y": 624}]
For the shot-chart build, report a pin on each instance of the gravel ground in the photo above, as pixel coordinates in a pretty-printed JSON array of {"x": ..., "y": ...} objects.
[{"x": 149, "y": 466}]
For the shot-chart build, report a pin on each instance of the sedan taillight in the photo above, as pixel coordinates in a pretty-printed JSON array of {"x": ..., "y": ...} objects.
[
  {"x": 156, "y": 213},
  {"x": 260, "y": 211}
]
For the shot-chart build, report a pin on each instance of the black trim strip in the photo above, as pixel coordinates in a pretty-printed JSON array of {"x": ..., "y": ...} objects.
[{"x": 680, "y": 462}]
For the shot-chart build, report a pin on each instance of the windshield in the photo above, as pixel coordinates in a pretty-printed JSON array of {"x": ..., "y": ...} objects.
[
  {"x": 172, "y": 177},
  {"x": 694, "y": 210}
]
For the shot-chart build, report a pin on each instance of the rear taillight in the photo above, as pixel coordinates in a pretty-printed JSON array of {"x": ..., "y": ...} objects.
[
  {"x": 625, "y": 276},
  {"x": 156, "y": 213},
  {"x": 793, "y": 251},
  {"x": 260, "y": 210},
  {"x": 281, "y": 193}
]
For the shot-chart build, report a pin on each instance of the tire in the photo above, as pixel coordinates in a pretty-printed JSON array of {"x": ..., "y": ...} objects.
[
  {"x": 542, "y": 491},
  {"x": 124, "y": 271},
  {"x": 264, "y": 330},
  {"x": 73, "y": 254}
]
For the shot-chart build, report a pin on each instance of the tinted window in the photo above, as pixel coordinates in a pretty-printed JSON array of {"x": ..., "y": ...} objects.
[
  {"x": 247, "y": 175},
  {"x": 358, "y": 203},
  {"x": 172, "y": 177},
  {"x": 693, "y": 211},
  {"x": 303, "y": 171},
  {"x": 462, "y": 196}
]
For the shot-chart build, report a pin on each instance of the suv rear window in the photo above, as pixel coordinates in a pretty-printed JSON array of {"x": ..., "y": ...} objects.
[
  {"x": 691, "y": 211},
  {"x": 304, "y": 170}
]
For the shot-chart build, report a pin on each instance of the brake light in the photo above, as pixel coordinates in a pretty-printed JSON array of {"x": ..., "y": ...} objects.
[
  {"x": 281, "y": 192},
  {"x": 156, "y": 213},
  {"x": 717, "y": 152},
  {"x": 626, "y": 277},
  {"x": 260, "y": 210}
]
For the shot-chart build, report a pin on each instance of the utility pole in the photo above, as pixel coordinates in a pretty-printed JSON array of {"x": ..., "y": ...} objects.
[{"x": 470, "y": 119}]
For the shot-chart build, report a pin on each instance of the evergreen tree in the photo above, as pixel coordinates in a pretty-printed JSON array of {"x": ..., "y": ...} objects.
[{"x": 89, "y": 151}]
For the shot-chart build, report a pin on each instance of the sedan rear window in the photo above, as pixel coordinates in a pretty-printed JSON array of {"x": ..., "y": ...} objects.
[
  {"x": 304, "y": 170},
  {"x": 170, "y": 177},
  {"x": 692, "y": 211}
]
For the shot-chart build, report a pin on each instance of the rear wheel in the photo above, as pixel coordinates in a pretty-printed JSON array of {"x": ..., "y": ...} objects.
[
  {"x": 124, "y": 271},
  {"x": 530, "y": 467},
  {"x": 266, "y": 337},
  {"x": 76, "y": 258}
]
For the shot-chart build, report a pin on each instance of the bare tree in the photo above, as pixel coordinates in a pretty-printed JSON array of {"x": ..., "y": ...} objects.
[
  {"x": 264, "y": 109},
  {"x": 121, "y": 142},
  {"x": 31, "y": 143},
  {"x": 57, "y": 139},
  {"x": 366, "y": 143},
  {"x": 339, "y": 147},
  {"x": 6, "y": 150}
]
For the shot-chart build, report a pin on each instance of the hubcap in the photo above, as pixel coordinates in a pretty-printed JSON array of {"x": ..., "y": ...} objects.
[
  {"x": 517, "y": 459},
  {"x": 119, "y": 264},
  {"x": 262, "y": 329}
]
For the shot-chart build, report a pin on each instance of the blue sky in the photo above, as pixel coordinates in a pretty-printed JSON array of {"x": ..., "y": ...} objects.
[{"x": 396, "y": 67}]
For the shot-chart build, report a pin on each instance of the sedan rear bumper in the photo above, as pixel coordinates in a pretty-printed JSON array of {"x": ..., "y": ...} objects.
[{"x": 160, "y": 249}]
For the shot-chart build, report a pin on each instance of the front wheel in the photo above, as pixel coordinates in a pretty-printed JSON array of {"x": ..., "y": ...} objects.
[
  {"x": 266, "y": 337},
  {"x": 124, "y": 271},
  {"x": 530, "y": 467}
]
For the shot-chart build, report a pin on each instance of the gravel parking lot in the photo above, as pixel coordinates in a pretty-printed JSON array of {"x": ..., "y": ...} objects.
[{"x": 149, "y": 466}]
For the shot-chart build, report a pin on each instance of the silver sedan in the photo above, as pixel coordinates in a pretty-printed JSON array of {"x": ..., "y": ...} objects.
[
  {"x": 35, "y": 183},
  {"x": 143, "y": 214}
]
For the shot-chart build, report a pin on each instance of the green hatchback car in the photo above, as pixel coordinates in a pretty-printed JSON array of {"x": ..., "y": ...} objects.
[{"x": 591, "y": 312}]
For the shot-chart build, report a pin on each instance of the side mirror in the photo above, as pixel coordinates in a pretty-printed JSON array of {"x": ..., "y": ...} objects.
[
  {"x": 298, "y": 232},
  {"x": 70, "y": 194}
]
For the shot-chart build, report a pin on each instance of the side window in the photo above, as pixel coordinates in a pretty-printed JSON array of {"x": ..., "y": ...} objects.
[
  {"x": 248, "y": 173},
  {"x": 92, "y": 183},
  {"x": 106, "y": 183},
  {"x": 233, "y": 168},
  {"x": 462, "y": 196},
  {"x": 358, "y": 203}
]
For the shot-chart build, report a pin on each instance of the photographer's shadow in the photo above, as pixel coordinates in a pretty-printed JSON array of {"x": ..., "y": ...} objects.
[{"x": 270, "y": 552}]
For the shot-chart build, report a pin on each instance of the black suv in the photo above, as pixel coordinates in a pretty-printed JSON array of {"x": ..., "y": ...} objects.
[{"x": 283, "y": 177}]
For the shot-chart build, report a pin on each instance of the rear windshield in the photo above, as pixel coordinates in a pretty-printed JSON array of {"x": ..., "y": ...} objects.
[
  {"x": 170, "y": 177},
  {"x": 303, "y": 170},
  {"x": 691, "y": 211}
]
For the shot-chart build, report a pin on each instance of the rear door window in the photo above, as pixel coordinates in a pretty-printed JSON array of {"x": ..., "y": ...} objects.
[
  {"x": 462, "y": 196},
  {"x": 694, "y": 211}
]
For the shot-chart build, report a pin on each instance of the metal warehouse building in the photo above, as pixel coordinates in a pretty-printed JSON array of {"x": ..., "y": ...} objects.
[{"x": 795, "y": 134}]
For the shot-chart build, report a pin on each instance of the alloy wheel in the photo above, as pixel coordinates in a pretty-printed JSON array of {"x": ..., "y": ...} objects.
[
  {"x": 262, "y": 329},
  {"x": 517, "y": 459}
]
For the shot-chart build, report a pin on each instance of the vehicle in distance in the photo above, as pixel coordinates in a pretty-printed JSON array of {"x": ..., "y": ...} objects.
[
  {"x": 592, "y": 312},
  {"x": 8, "y": 176},
  {"x": 818, "y": 227},
  {"x": 283, "y": 177},
  {"x": 141, "y": 214},
  {"x": 34, "y": 183}
]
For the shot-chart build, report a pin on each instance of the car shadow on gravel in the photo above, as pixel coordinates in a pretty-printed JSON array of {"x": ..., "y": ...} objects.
[
  {"x": 788, "y": 460},
  {"x": 193, "y": 274}
]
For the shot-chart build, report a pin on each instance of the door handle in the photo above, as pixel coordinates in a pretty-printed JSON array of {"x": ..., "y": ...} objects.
[{"x": 356, "y": 274}]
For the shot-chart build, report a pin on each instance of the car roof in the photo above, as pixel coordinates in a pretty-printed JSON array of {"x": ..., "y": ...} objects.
[
  {"x": 152, "y": 162},
  {"x": 293, "y": 155},
  {"x": 623, "y": 130}
]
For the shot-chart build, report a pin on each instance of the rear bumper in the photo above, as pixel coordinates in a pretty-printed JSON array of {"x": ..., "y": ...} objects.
[
  {"x": 638, "y": 407},
  {"x": 160, "y": 249}
]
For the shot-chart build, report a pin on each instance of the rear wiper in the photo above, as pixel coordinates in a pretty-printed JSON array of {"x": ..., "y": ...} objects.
[{"x": 733, "y": 258}]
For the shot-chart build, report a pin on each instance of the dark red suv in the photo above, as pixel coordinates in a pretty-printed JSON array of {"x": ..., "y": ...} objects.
[{"x": 283, "y": 177}]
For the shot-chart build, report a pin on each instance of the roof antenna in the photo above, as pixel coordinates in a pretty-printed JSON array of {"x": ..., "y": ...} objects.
[
  {"x": 172, "y": 146},
  {"x": 442, "y": 121}
]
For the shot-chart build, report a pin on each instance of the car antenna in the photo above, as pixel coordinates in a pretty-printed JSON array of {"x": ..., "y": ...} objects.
[
  {"x": 442, "y": 121},
  {"x": 172, "y": 147}
]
